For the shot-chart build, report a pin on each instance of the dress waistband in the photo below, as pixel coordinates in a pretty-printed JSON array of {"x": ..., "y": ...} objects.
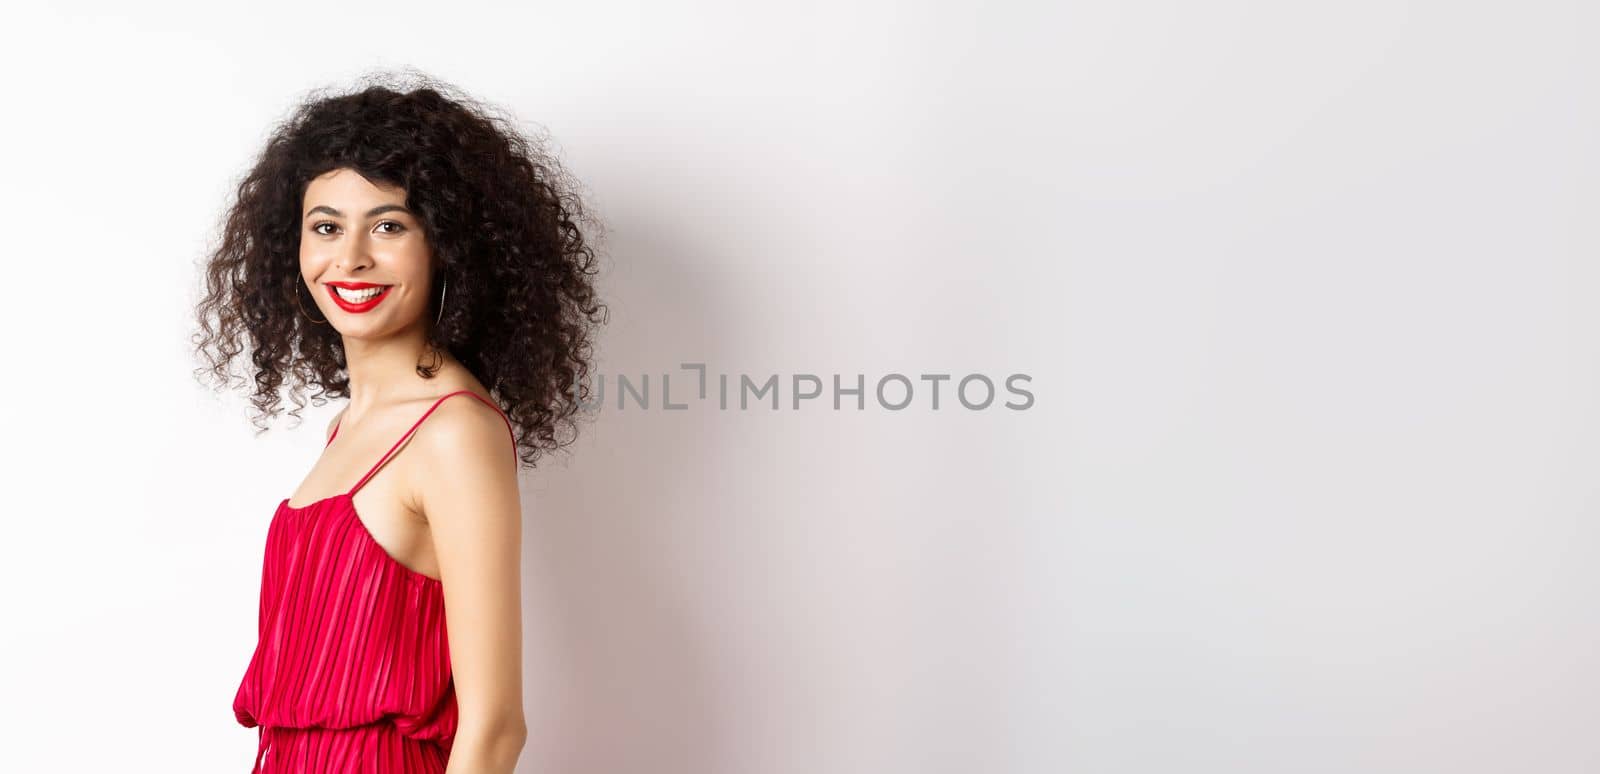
[{"x": 267, "y": 734}]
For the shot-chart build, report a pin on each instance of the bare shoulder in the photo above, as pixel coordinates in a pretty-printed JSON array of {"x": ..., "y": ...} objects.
[
  {"x": 327, "y": 435},
  {"x": 465, "y": 422},
  {"x": 467, "y": 445}
]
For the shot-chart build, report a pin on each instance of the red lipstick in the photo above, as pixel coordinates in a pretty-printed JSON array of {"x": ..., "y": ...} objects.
[{"x": 357, "y": 307}]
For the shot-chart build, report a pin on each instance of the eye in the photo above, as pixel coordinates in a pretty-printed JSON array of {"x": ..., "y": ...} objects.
[
  {"x": 397, "y": 226},
  {"x": 317, "y": 228}
]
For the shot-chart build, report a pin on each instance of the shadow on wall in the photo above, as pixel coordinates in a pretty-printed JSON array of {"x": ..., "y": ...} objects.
[{"x": 618, "y": 674}]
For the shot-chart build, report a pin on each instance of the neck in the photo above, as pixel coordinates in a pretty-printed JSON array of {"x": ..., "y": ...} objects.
[{"x": 385, "y": 370}]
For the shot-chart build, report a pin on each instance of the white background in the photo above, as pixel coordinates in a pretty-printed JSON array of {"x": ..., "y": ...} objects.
[{"x": 1307, "y": 292}]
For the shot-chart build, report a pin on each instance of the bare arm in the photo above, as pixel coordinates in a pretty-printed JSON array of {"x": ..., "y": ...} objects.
[{"x": 470, "y": 497}]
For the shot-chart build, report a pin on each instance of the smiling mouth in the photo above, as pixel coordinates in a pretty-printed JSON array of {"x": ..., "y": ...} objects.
[
  {"x": 359, "y": 296},
  {"x": 358, "y": 300}
]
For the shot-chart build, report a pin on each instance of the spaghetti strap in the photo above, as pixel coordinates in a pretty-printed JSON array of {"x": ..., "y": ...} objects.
[{"x": 388, "y": 454}]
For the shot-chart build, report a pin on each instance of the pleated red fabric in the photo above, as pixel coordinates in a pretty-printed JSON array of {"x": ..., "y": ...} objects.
[{"x": 351, "y": 671}]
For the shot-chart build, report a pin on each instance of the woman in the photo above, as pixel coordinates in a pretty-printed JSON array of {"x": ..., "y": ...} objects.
[{"x": 412, "y": 252}]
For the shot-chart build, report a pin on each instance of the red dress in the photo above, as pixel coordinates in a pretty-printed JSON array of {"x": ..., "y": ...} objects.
[{"x": 351, "y": 672}]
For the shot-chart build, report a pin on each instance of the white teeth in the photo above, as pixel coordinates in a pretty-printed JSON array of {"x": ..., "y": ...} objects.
[{"x": 357, "y": 296}]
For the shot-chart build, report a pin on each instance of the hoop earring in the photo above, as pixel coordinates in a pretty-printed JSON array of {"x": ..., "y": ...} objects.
[
  {"x": 444, "y": 288},
  {"x": 323, "y": 321}
]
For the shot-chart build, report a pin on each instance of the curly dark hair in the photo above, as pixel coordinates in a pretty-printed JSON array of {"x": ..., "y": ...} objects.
[{"x": 499, "y": 213}]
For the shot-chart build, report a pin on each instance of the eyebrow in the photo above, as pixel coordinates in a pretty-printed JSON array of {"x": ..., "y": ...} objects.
[{"x": 375, "y": 211}]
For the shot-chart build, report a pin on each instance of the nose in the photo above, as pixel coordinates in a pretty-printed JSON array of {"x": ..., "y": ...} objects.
[{"x": 354, "y": 252}]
